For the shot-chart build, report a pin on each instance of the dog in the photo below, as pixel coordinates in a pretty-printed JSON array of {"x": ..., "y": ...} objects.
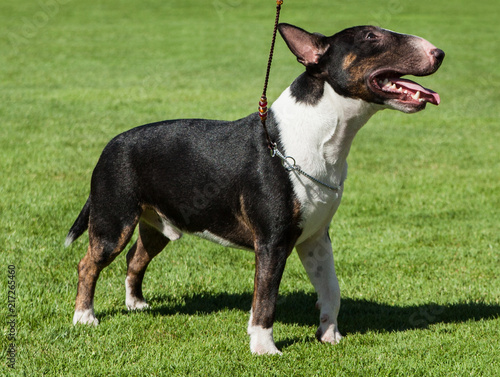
[{"x": 217, "y": 179}]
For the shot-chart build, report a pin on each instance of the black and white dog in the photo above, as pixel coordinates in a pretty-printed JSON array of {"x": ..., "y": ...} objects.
[{"x": 217, "y": 179}]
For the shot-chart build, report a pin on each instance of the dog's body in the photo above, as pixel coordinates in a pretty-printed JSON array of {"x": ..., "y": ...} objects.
[{"x": 217, "y": 179}]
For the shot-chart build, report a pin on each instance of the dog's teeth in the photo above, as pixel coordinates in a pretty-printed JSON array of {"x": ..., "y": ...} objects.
[
  {"x": 405, "y": 91},
  {"x": 421, "y": 100},
  {"x": 385, "y": 82},
  {"x": 416, "y": 96},
  {"x": 393, "y": 87},
  {"x": 400, "y": 90}
]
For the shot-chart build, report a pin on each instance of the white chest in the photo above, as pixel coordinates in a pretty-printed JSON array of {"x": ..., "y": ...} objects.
[
  {"x": 319, "y": 138},
  {"x": 318, "y": 205}
]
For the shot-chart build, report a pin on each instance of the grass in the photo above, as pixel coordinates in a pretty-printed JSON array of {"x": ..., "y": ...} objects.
[{"x": 416, "y": 239}]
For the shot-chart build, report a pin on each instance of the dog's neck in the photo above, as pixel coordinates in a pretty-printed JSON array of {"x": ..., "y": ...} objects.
[{"x": 319, "y": 135}]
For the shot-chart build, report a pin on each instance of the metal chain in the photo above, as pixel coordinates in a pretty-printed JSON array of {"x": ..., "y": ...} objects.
[{"x": 289, "y": 164}]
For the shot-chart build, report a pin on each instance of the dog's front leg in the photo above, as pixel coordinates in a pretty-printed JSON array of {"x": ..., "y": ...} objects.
[
  {"x": 317, "y": 257},
  {"x": 269, "y": 265}
]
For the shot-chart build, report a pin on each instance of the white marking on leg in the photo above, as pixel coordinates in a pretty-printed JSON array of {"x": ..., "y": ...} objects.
[
  {"x": 133, "y": 302},
  {"x": 317, "y": 257},
  {"x": 86, "y": 317},
  {"x": 261, "y": 339}
]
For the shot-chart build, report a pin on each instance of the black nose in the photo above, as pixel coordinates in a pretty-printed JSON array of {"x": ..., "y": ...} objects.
[{"x": 438, "y": 54}]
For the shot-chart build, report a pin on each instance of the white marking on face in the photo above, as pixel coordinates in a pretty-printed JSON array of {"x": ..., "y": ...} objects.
[
  {"x": 426, "y": 46},
  {"x": 330, "y": 126},
  {"x": 419, "y": 43}
]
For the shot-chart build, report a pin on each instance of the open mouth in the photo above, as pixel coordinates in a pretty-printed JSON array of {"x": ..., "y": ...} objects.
[{"x": 391, "y": 86}]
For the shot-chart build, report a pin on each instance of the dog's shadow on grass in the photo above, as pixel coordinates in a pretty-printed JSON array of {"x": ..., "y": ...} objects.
[{"x": 356, "y": 316}]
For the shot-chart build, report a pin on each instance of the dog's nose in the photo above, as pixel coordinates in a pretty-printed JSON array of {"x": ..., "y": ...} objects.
[{"x": 438, "y": 54}]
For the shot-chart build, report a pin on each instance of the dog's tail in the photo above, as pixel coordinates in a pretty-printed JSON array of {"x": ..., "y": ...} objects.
[{"x": 81, "y": 224}]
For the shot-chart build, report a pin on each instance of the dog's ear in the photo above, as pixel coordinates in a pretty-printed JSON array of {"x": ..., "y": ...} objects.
[{"x": 307, "y": 47}]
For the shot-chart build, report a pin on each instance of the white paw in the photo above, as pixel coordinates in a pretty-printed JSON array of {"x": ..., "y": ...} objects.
[
  {"x": 136, "y": 304},
  {"x": 261, "y": 349},
  {"x": 261, "y": 341},
  {"x": 133, "y": 302},
  {"x": 328, "y": 334},
  {"x": 85, "y": 317}
]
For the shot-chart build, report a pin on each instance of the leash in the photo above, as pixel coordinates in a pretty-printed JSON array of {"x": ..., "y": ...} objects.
[
  {"x": 288, "y": 162},
  {"x": 263, "y": 98}
]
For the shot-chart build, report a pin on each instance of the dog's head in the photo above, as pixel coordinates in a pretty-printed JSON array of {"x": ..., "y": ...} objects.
[{"x": 367, "y": 62}]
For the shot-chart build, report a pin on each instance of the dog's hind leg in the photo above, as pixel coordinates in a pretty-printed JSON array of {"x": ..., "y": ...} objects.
[
  {"x": 317, "y": 257},
  {"x": 105, "y": 243},
  {"x": 149, "y": 244}
]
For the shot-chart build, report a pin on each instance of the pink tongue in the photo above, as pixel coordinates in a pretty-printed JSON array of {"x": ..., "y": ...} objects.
[{"x": 426, "y": 94}]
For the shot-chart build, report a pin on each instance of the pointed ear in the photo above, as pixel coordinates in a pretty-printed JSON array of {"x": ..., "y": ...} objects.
[{"x": 307, "y": 47}]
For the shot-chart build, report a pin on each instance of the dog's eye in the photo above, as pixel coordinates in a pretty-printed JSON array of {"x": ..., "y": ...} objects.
[{"x": 371, "y": 36}]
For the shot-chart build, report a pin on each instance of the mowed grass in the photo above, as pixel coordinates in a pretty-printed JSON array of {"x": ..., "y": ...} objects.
[{"x": 416, "y": 239}]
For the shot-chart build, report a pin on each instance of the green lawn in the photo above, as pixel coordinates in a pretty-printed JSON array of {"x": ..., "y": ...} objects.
[{"x": 416, "y": 238}]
